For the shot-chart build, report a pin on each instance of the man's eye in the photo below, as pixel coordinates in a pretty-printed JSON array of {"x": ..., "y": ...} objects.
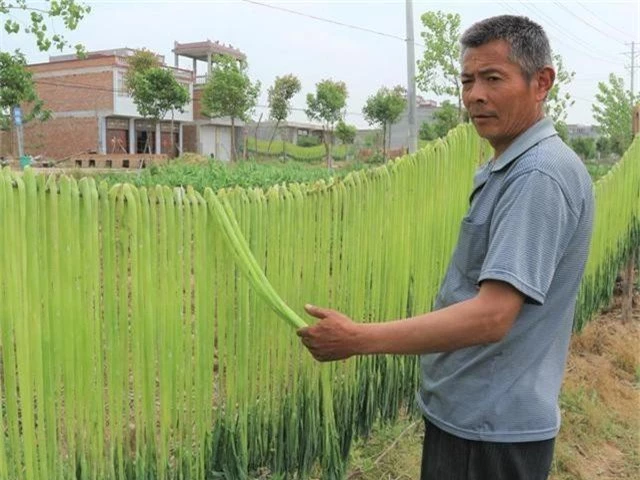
[
  {"x": 493, "y": 79},
  {"x": 466, "y": 81}
]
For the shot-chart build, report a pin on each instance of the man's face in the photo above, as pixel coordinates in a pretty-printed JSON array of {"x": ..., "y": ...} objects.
[{"x": 501, "y": 102}]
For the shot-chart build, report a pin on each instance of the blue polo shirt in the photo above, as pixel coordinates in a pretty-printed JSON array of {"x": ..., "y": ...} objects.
[{"x": 529, "y": 224}]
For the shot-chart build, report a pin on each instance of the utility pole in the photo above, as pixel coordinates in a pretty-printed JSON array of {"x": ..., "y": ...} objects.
[
  {"x": 633, "y": 67},
  {"x": 411, "y": 79}
]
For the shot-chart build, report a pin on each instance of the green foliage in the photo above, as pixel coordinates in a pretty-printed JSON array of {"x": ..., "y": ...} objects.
[
  {"x": 346, "y": 133},
  {"x": 280, "y": 95},
  {"x": 233, "y": 396},
  {"x": 372, "y": 139},
  {"x": 598, "y": 170},
  {"x": 327, "y": 103},
  {"x": 229, "y": 91},
  {"x": 326, "y": 106},
  {"x": 563, "y": 130},
  {"x": 279, "y": 148},
  {"x": 16, "y": 84},
  {"x": 141, "y": 61},
  {"x": 308, "y": 141},
  {"x": 439, "y": 67},
  {"x": 558, "y": 101},
  {"x": 384, "y": 108},
  {"x": 17, "y": 88},
  {"x": 156, "y": 92},
  {"x": 614, "y": 113},
  {"x": 279, "y": 98},
  {"x": 217, "y": 175},
  {"x": 444, "y": 119},
  {"x": 604, "y": 146},
  {"x": 585, "y": 147},
  {"x": 69, "y": 11}
]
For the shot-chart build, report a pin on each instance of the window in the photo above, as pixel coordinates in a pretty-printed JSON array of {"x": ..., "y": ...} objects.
[{"x": 121, "y": 86}]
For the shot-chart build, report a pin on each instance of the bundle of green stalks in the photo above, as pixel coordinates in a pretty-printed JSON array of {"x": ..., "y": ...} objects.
[{"x": 149, "y": 333}]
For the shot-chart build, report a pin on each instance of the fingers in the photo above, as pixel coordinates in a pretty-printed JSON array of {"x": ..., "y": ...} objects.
[{"x": 317, "y": 311}]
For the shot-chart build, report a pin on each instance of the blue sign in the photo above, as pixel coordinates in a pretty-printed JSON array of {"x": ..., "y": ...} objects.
[{"x": 17, "y": 116}]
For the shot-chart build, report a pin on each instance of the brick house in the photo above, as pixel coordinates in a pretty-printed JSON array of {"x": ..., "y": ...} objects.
[
  {"x": 204, "y": 135},
  {"x": 94, "y": 114}
]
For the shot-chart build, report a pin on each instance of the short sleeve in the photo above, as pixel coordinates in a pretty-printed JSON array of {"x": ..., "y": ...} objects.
[{"x": 530, "y": 230}]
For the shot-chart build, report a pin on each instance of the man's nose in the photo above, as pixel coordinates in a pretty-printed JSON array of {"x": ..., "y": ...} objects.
[{"x": 476, "y": 93}]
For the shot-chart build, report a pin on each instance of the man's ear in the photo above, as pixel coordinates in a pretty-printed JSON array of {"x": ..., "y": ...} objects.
[{"x": 544, "y": 82}]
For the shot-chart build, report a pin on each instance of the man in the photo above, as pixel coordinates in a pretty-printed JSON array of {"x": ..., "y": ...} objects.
[{"x": 494, "y": 349}]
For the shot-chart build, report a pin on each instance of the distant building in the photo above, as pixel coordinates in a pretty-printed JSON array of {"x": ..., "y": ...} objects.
[
  {"x": 576, "y": 131},
  {"x": 94, "y": 113},
  {"x": 287, "y": 130},
  {"x": 399, "y": 135}
]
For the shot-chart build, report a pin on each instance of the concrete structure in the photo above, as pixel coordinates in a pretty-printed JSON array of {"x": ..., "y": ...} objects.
[
  {"x": 94, "y": 114},
  {"x": 204, "y": 135},
  {"x": 289, "y": 131},
  {"x": 576, "y": 131},
  {"x": 399, "y": 134}
]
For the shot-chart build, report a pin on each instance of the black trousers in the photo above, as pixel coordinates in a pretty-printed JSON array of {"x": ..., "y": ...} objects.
[{"x": 447, "y": 457}]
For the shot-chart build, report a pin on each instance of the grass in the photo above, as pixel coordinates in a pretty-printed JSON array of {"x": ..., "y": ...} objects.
[{"x": 600, "y": 434}]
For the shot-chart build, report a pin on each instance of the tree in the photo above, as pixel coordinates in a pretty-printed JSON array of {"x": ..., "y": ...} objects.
[
  {"x": 154, "y": 89},
  {"x": 346, "y": 133},
  {"x": 17, "y": 88},
  {"x": 444, "y": 119},
  {"x": 141, "y": 61},
  {"x": 229, "y": 92},
  {"x": 439, "y": 68},
  {"x": 614, "y": 113},
  {"x": 326, "y": 106},
  {"x": 279, "y": 98},
  {"x": 604, "y": 146},
  {"x": 16, "y": 82},
  {"x": 156, "y": 92},
  {"x": 557, "y": 102},
  {"x": 384, "y": 108},
  {"x": 69, "y": 11},
  {"x": 585, "y": 147}
]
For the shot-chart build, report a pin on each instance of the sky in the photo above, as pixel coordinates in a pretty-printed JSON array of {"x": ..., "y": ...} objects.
[{"x": 594, "y": 39}]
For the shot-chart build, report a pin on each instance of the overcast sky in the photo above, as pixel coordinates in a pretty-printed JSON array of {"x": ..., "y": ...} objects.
[{"x": 592, "y": 38}]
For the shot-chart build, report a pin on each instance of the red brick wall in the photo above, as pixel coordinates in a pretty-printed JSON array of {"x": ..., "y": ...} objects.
[
  {"x": 101, "y": 61},
  {"x": 190, "y": 138},
  {"x": 88, "y": 91},
  {"x": 61, "y": 137},
  {"x": 197, "y": 106},
  {"x": 8, "y": 146}
]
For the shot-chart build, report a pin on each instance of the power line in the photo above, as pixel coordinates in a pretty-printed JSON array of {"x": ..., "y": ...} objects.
[
  {"x": 587, "y": 48},
  {"x": 584, "y": 21},
  {"x": 333, "y": 22},
  {"x": 605, "y": 22},
  {"x": 84, "y": 86},
  {"x": 601, "y": 56}
]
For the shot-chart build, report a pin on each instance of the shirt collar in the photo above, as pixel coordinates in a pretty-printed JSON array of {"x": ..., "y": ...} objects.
[{"x": 535, "y": 134}]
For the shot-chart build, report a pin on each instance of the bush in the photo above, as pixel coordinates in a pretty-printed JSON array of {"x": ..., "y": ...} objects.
[{"x": 308, "y": 141}]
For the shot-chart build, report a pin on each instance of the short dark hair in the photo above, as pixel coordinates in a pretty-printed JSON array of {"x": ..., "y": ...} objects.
[{"x": 529, "y": 43}]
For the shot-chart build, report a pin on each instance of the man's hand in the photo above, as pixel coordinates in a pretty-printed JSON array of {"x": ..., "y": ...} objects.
[{"x": 334, "y": 337}]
